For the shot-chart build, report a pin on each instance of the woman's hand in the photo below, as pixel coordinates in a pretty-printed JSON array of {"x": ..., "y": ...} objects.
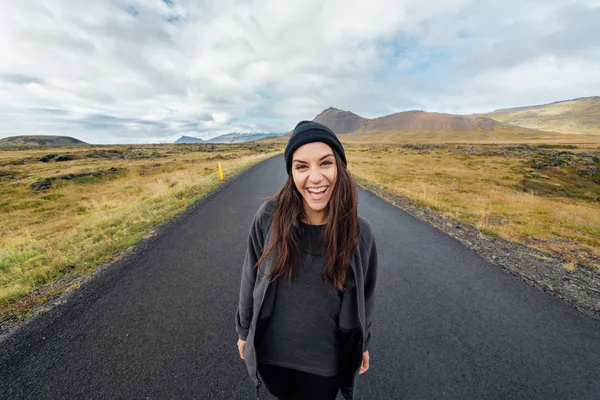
[
  {"x": 242, "y": 345},
  {"x": 365, "y": 362}
]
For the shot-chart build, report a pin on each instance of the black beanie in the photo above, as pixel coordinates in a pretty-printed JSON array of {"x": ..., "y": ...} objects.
[{"x": 308, "y": 132}]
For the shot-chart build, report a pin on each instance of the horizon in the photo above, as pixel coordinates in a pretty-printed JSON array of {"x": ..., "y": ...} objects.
[
  {"x": 150, "y": 72},
  {"x": 283, "y": 133}
]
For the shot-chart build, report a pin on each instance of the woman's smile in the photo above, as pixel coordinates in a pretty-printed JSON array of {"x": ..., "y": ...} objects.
[{"x": 318, "y": 193}]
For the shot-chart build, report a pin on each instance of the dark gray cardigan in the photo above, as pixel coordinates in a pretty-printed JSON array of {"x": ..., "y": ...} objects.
[{"x": 356, "y": 308}]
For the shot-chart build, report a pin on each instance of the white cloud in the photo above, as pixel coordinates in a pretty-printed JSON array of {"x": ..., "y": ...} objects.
[
  {"x": 534, "y": 82},
  {"x": 221, "y": 118},
  {"x": 146, "y": 71}
]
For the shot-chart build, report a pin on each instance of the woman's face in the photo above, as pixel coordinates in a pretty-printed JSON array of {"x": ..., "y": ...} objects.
[{"x": 315, "y": 172}]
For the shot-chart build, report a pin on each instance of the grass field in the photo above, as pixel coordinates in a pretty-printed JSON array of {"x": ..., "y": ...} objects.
[
  {"x": 99, "y": 203},
  {"x": 546, "y": 197},
  {"x": 500, "y": 135}
]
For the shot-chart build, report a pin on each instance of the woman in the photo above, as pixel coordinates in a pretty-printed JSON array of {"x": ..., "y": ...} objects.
[{"x": 309, "y": 276}]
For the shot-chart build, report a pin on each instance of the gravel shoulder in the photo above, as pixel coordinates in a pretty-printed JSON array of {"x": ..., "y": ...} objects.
[{"x": 579, "y": 287}]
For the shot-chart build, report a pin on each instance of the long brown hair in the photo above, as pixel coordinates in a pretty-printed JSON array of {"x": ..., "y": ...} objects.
[{"x": 340, "y": 235}]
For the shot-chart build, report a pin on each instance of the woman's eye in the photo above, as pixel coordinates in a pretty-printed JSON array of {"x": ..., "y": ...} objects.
[{"x": 323, "y": 163}]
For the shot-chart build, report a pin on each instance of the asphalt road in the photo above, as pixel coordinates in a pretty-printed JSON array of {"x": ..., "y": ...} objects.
[{"x": 160, "y": 324}]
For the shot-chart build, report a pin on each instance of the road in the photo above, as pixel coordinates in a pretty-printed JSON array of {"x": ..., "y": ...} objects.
[{"x": 160, "y": 323}]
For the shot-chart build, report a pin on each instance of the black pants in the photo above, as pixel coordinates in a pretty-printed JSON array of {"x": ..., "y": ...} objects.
[{"x": 291, "y": 384}]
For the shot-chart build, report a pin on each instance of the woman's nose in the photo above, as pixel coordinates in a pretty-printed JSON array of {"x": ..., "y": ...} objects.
[{"x": 315, "y": 175}]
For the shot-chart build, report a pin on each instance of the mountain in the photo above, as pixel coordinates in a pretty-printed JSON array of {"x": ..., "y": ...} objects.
[
  {"x": 188, "y": 139},
  {"x": 429, "y": 121},
  {"x": 579, "y": 116},
  {"x": 35, "y": 141},
  {"x": 554, "y": 121},
  {"x": 341, "y": 121},
  {"x": 229, "y": 138},
  {"x": 241, "y": 137}
]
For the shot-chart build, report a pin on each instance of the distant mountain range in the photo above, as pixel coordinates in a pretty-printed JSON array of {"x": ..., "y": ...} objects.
[
  {"x": 576, "y": 116},
  {"x": 228, "y": 138},
  {"x": 36, "y": 141}
]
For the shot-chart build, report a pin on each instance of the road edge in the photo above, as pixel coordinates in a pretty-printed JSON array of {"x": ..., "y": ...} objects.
[
  {"x": 579, "y": 288},
  {"x": 121, "y": 259}
]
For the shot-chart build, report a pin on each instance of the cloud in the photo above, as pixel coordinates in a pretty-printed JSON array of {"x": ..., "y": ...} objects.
[
  {"x": 133, "y": 71},
  {"x": 535, "y": 81},
  {"x": 19, "y": 79}
]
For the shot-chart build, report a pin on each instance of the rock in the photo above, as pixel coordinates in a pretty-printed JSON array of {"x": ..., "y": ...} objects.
[
  {"x": 41, "y": 184},
  {"x": 65, "y": 157},
  {"x": 48, "y": 157}
]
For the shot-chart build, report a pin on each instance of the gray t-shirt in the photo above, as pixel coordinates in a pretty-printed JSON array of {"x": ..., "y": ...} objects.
[{"x": 302, "y": 330}]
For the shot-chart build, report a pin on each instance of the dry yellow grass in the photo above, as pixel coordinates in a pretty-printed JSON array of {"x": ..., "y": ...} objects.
[
  {"x": 501, "y": 135},
  {"x": 486, "y": 192},
  {"x": 79, "y": 224}
]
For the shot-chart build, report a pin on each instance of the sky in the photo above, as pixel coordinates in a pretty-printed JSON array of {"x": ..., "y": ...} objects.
[{"x": 151, "y": 71}]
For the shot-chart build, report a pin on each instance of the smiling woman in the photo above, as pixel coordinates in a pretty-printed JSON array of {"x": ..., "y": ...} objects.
[{"x": 309, "y": 250}]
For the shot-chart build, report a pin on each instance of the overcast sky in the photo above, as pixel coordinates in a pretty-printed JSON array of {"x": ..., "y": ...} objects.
[{"x": 116, "y": 71}]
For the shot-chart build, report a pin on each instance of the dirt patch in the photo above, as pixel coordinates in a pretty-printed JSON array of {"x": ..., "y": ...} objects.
[{"x": 577, "y": 284}]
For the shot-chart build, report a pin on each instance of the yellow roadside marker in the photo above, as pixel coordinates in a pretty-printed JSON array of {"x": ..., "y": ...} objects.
[{"x": 220, "y": 171}]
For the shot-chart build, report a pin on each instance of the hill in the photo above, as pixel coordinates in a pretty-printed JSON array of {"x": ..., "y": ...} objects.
[
  {"x": 430, "y": 121},
  {"x": 36, "y": 141},
  {"x": 576, "y": 116},
  {"x": 341, "y": 121},
  {"x": 420, "y": 126}
]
